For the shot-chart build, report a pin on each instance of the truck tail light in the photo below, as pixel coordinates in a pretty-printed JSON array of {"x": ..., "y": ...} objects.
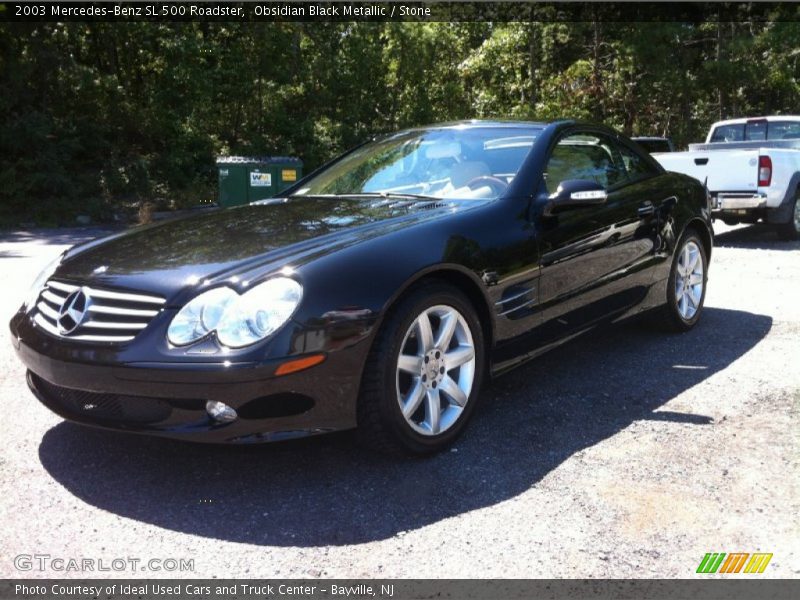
[{"x": 764, "y": 171}]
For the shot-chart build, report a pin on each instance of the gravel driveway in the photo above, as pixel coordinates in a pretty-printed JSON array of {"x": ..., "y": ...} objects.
[{"x": 629, "y": 453}]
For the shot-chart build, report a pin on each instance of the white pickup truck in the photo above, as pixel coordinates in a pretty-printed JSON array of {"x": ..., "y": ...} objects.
[{"x": 751, "y": 168}]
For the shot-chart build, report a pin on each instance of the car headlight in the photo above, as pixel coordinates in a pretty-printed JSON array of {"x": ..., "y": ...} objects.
[
  {"x": 200, "y": 316},
  {"x": 238, "y": 320},
  {"x": 259, "y": 312},
  {"x": 40, "y": 281}
]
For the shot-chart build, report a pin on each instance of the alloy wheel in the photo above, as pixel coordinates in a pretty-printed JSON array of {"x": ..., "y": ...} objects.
[
  {"x": 689, "y": 280},
  {"x": 435, "y": 370}
]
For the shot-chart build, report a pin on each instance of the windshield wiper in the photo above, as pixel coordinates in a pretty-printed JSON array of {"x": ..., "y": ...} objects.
[
  {"x": 384, "y": 195},
  {"x": 391, "y": 195}
]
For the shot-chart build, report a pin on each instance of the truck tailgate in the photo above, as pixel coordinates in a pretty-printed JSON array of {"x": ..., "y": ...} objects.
[{"x": 730, "y": 171}]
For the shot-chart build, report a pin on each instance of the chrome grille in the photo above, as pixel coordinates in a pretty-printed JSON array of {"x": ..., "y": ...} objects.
[{"x": 111, "y": 316}]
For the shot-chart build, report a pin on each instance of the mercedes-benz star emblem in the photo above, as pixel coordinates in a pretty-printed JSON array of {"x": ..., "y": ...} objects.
[{"x": 74, "y": 311}]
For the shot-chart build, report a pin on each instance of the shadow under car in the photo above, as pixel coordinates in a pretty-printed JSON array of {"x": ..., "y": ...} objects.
[{"x": 328, "y": 491}]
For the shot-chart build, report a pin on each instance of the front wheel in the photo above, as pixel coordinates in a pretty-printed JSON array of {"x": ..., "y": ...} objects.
[
  {"x": 686, "y": 286},
  {"x": 422, "y": 378}
]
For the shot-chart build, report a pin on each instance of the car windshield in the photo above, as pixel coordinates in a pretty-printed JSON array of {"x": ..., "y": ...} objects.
[{"x": 453, "y": 162}]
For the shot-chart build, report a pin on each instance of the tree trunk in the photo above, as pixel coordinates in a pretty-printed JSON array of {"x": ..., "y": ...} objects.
[
  {"x": 720, "y": 83},
  {"x": 598, "y": 108},
  {"x": 532, "y": 63}
]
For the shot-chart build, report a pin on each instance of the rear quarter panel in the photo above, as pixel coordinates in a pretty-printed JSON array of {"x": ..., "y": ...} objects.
[
  {"x": 690, "y": 208},
  {"x": 785, "y": 175}
]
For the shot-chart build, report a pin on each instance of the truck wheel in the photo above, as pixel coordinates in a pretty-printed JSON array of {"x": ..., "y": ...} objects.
[
  {"x": 791, "y": 229},
  {"x": 686, "y": 286}
]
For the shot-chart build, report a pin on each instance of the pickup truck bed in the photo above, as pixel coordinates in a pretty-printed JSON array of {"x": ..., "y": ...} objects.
[{"x": 748, "y": 181}]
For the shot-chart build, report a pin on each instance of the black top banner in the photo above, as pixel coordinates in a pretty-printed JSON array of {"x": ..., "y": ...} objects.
[{"x": 271, "y": 11}]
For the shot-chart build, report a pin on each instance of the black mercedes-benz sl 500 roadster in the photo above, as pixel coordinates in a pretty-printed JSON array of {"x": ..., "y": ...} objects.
[{"x": 379, "y": 292}]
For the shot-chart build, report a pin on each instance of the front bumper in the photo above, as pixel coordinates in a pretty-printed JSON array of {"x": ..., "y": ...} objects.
[{"x": 168, "y": 398}]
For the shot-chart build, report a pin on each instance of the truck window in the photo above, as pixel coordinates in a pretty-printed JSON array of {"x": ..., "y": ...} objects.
[
  {"x": 784, "y": 130},
  {"x": 728, "y": 133},
  {"x": 755, "y": 131}
]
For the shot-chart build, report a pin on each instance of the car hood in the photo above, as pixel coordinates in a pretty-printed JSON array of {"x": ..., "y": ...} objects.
[{"x": 217, "y": 245}]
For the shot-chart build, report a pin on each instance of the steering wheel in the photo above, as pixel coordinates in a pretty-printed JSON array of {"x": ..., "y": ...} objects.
[{"x": 498, "y": 185}]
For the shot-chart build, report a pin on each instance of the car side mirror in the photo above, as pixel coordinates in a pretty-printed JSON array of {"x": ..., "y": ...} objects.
[{"x": 575, "y": 193}]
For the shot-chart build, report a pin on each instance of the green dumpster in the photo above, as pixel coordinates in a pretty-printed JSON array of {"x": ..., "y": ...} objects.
[{"x": 244, "y": 179}]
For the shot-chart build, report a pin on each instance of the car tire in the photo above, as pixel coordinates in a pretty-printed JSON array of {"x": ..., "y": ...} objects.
[
  {"x": 686, "y": 285},
  {"x": 414, "y": 400},
  {"x": 790, "y": 230}
]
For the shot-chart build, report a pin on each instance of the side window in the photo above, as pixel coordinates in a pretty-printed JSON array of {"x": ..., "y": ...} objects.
[
  {"x": 584, "y": 156},
  {"x": 636, "y": 167}
]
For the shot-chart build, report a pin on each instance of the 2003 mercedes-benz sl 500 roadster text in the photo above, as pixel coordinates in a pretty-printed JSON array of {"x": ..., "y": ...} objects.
[{"x": 378, "y": 293}]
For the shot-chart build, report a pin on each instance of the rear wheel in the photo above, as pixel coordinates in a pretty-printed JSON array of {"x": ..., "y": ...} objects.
[
  {"x": 791, "y": 229},
  {"x": 422, "y": 377},
  {"x": 686, "y": 286}
]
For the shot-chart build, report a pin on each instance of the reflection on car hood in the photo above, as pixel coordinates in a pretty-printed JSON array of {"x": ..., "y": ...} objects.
[{"x": 165, "y": 257}]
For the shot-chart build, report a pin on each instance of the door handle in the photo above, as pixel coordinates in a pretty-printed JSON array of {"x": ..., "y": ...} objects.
[{"x": 646, "y": 209}]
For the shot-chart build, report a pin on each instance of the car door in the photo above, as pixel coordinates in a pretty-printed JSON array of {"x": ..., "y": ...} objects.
[{"x": 594, "y": 259}]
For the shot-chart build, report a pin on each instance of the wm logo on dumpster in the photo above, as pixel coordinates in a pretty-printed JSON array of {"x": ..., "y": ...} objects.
[{"x": 735, "y": 562}]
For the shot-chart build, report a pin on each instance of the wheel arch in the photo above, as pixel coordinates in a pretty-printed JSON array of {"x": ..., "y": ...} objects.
[
  {"x": 783, "y": 212},
  {"x": 462, "y": 279},
  {"x": 705, "y": 233},
  {"x": 374, "y": 426}
]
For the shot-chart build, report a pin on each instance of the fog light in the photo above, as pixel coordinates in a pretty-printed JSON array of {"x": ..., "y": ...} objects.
[{"x": 219, "y": 411}]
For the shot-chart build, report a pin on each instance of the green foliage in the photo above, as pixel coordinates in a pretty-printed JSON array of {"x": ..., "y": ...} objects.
[{"x": 99, "y": 118}]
